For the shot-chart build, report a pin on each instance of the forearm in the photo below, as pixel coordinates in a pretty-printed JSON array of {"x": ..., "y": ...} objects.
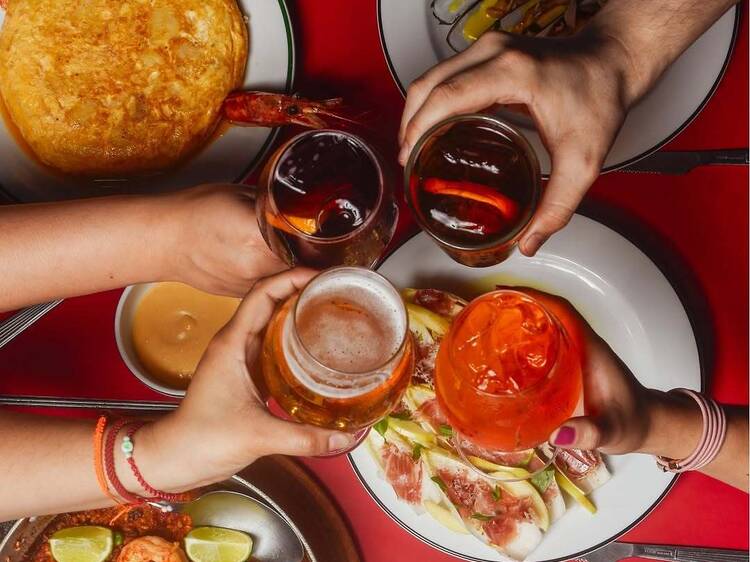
[
  {"x": 676, "y": 424},
  {"x": 651, "y": 35},
  {"x": 48, "y": 465},
  {"x": 71, "y": 248}
]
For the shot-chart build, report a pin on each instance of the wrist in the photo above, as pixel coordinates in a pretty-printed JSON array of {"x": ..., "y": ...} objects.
[
  {"x": 164, "y": 464},
  {"x": 633, "y": 75},
  {"x": 176, "y": 456},
  {"x": 675, "y": 425},
  {"x": 168, "y": 216}
]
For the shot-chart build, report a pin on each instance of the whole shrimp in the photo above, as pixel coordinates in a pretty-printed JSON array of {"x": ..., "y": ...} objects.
[
  {"x": 264, "y": 109},
  {"x": 151, "y": 549}
]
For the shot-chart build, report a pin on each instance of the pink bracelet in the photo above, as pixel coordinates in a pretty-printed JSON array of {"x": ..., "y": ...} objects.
[{"x": 711, "y": 441}]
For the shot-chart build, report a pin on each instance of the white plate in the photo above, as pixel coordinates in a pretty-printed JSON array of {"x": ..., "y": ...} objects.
[
  {"x": 413, "y": 41},
  {"x": 630, "y": 304},
  {"x": 229, "y": 158}
]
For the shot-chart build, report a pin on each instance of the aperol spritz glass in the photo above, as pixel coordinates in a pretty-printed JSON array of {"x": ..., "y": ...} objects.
[{"x": 507, "y": 373}]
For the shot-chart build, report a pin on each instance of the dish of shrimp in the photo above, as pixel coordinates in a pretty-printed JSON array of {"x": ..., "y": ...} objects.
[{"x": 140, "y": 533}]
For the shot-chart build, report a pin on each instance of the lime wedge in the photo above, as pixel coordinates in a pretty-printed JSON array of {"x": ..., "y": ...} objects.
[
  {"x": 81, "y": 544},
  {"x": 213, "y": 544}
]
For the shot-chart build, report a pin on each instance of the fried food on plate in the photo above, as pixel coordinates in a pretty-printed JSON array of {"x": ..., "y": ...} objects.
[{"x": 96, "y": 87}]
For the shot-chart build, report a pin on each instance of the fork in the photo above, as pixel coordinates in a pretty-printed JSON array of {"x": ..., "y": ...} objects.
[
  {"x": 22, "y": 319},
  {"x": 25, "y": 317}
]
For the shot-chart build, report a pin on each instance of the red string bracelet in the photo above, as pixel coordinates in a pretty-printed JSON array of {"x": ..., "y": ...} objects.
[
  {"x": 109, "y": 464},
  {"x": 128, "y": 447},
  {"x": 101, "y": 478}
]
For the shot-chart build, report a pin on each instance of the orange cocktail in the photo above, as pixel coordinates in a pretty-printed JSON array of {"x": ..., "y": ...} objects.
[{"x": 507, "y": 373}]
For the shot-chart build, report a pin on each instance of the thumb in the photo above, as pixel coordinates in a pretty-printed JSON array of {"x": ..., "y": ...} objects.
[
  {"x": 579, "y": 433},
  {"x": 300, "y": 440},
  {"x": 570, "y": 179}
]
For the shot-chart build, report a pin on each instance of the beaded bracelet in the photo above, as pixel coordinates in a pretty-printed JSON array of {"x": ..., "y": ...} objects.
[
  {"x": 711, "y": 441},
  {"x": 128, "y": 447},
  {"x": 99, "y": 431},
  {"x": 109, "y": 464}
]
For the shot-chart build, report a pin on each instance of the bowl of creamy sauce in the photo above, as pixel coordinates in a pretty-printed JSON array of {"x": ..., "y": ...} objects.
[{"x": 163, "y": 329}]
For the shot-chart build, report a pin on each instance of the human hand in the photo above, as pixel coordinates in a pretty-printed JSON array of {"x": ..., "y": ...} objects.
[
  {"x": 574, "y": 89},
  {"x": 216, "y": 243},
  {"x": 222, "y": 426},
  {"x": 620, "y": 414}
]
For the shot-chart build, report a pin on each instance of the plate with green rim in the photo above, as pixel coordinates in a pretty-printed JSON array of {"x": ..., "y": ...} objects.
[
  {"x": 413, "y": 41},
  {"x": 229, "y": 157},
  {"x": 631, "y": 303}
]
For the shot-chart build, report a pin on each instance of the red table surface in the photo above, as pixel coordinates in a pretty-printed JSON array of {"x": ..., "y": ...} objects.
[{"x": 696, "y": 224}]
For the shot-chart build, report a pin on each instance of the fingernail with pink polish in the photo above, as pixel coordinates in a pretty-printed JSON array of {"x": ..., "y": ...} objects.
[{"x": 566, "y": 435}]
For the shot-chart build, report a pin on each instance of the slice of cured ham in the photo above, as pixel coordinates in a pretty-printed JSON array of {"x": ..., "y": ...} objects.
[
  {"x": 586, "y": 469},
  {"x": 507, "y": 516}
]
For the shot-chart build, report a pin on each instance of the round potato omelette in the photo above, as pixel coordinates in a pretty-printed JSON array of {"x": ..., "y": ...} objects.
[{"x": 97, "y": 87}]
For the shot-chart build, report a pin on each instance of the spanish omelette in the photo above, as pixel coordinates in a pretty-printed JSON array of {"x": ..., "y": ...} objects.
[{"x": 100, "y": 87}]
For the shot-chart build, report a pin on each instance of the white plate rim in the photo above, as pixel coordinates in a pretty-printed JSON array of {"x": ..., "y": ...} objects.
[
  {"x": 291, "y": 72},
  {"x": 704, "y": 379},
  {"x": 634, "y": 159}
]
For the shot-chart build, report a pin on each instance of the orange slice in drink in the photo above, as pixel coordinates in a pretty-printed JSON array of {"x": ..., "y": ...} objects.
[
  {"x": 306, "y": 225},
  {"x": 475, "y": 192}
]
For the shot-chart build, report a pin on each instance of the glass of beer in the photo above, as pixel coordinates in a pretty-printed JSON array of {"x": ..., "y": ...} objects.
[
  {"x": 323, "y": 201},
  {"x": 338, "y": 355},
  {"x": 507, "y": 374},
  {"x": 473, "y": 184}
]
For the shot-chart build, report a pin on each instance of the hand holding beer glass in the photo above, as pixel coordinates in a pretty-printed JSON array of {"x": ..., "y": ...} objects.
[{"x": 338, "y": 355}]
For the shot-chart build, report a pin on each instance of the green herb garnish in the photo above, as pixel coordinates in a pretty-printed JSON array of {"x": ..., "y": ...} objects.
[
  {"x": 496, "y": 493},
  {"x": 482, "y": 516},
  {"x": 543, "y": 480},
  {"x": 439, "y": 481},
  {"x": 445, "y": 430},
  {"x": 382, "y": 426},
  {"x": 117, "y": 538},
  {"x": 416, "y": 452}
]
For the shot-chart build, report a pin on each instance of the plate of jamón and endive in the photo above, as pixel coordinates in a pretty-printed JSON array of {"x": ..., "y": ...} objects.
[{"x": 583, "y": 500}]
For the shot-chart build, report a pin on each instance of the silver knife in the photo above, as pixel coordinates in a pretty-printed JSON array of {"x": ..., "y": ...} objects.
[
  {"x": 87, "y": 403},
  {"x": 616, "y": 551},
  {"x": 683, "y": 162}
]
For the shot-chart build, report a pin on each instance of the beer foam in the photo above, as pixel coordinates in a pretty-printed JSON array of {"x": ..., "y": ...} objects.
[{"x": 351, "y": 323}]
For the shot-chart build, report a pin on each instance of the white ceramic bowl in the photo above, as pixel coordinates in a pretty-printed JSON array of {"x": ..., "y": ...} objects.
[{"x": 129, "y": 301}]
